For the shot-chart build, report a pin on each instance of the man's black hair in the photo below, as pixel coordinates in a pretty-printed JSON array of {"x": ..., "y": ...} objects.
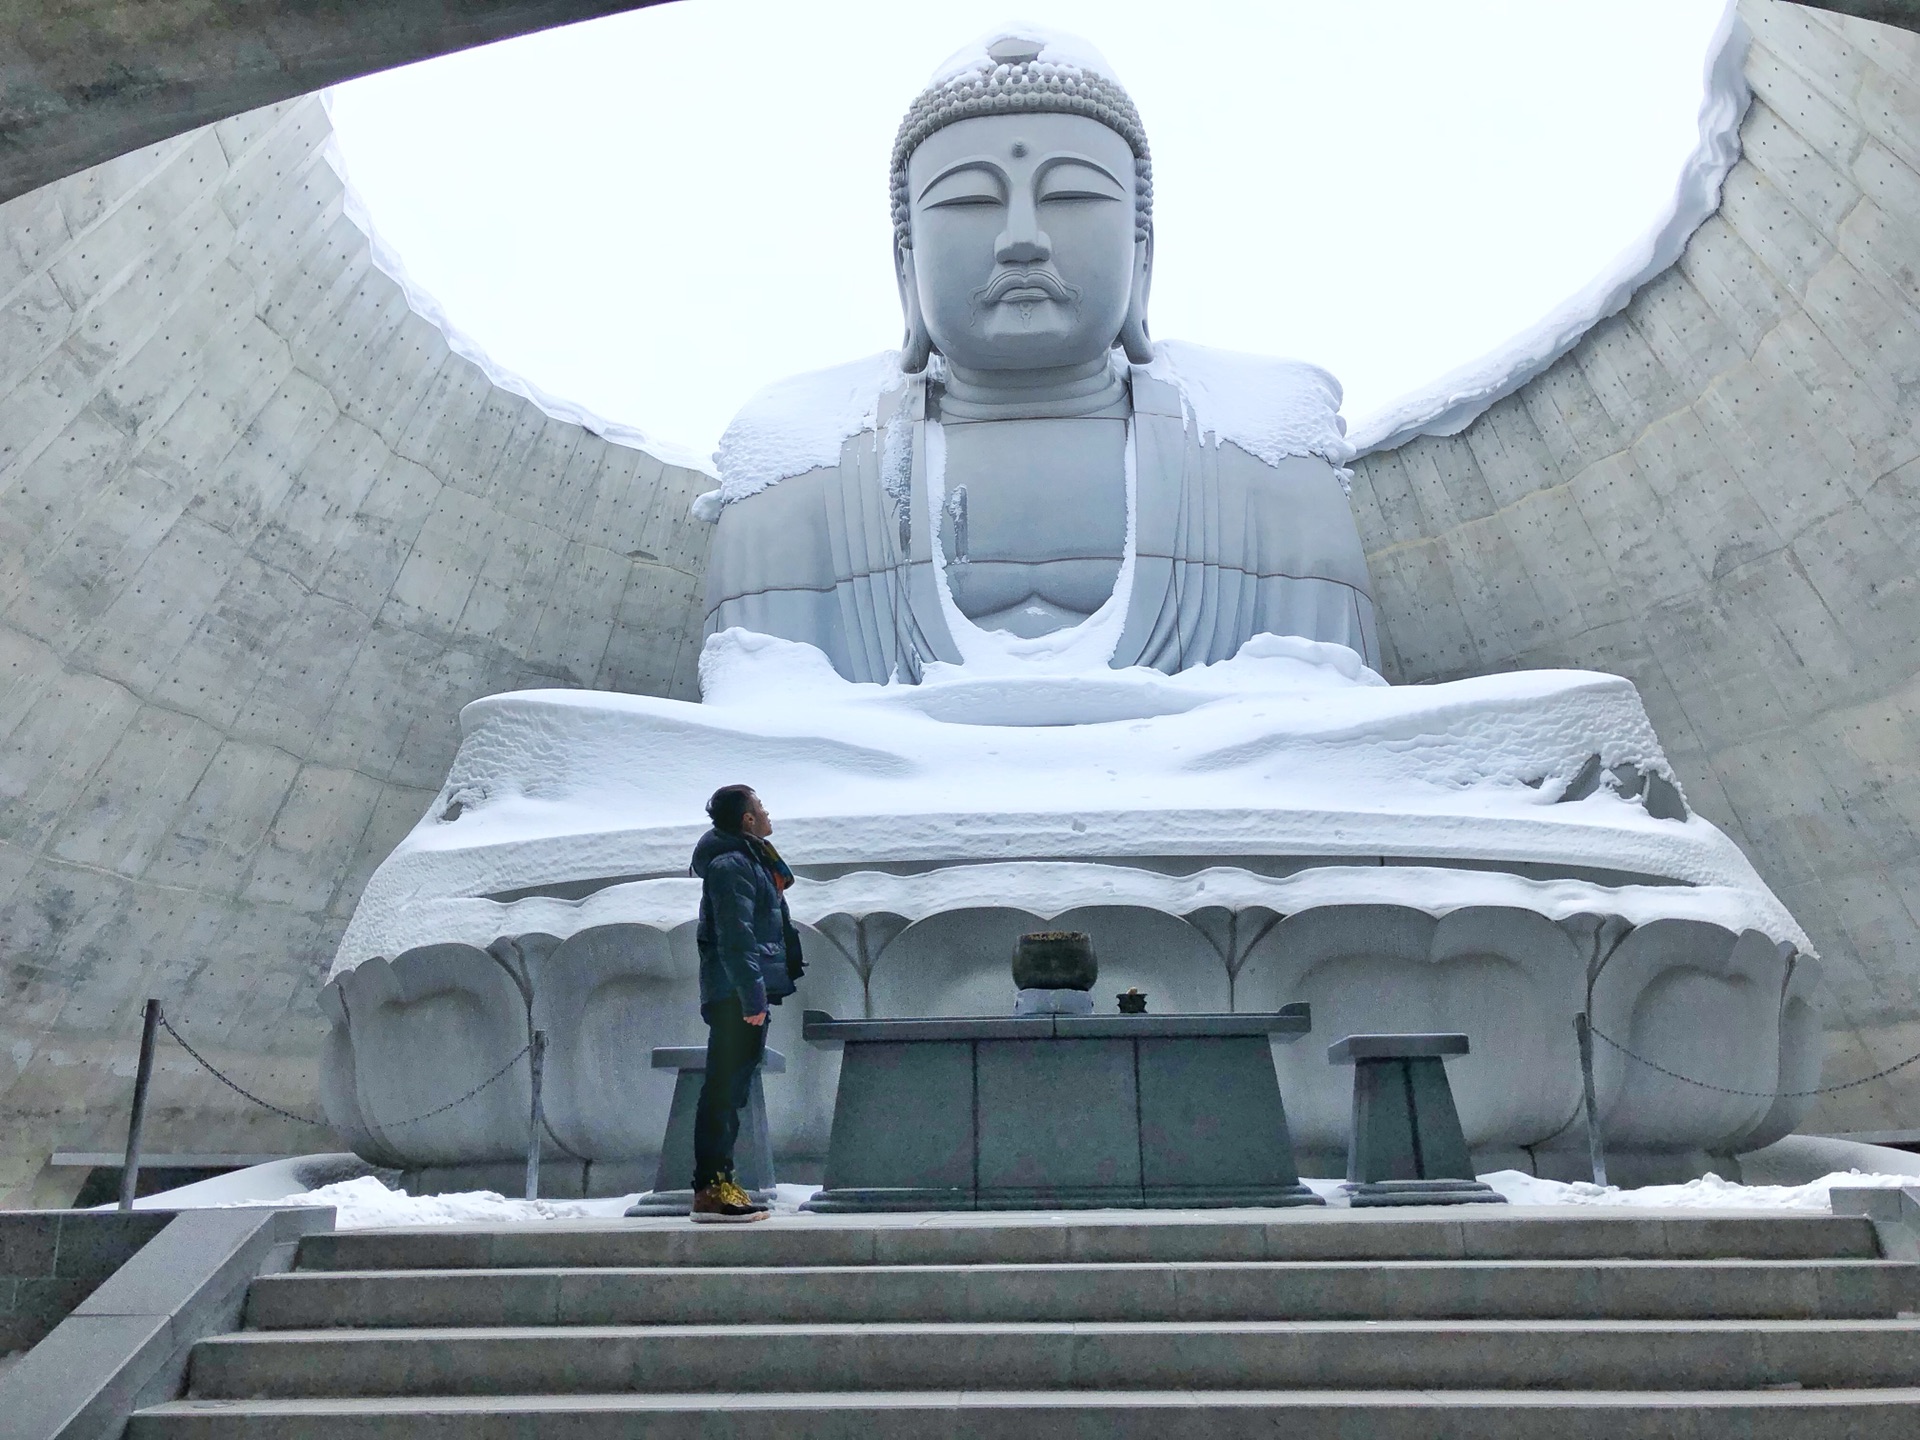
[{"x": 728, "y": 807}]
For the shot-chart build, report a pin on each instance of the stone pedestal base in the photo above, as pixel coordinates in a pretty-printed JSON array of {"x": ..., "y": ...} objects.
[
  {"x": 680, "y": 1202},
  {"x": 1422, "y": 1192},
  {"x": 1406, "y": 1146},
  {"x": 752, "y": 1152}
]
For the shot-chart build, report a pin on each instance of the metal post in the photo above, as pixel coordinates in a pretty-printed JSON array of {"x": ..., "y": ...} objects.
[
  {"x": 130, "y": 1170},
  {"x": 1596, "y": 1152},
  {"x": 538, "y": 1056}
]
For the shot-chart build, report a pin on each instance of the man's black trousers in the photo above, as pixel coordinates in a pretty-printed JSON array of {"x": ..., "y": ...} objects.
[{"x": 733, "y": 1054}]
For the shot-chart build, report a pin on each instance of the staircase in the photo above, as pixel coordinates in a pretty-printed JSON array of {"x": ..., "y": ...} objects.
[{"x": 1389, "y": 1326}]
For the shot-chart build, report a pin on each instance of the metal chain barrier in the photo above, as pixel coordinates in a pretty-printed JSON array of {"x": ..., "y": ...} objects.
[
  {"x": 214, "y": 1071},
  {"x": 211, "y": 1069},
  {"x": 1752, "y": 1094},
  {"x": 516, "y": 1058}
]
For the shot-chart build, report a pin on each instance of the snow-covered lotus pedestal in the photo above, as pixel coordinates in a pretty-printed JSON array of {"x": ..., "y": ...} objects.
[{"x": 1479, "y": 856}]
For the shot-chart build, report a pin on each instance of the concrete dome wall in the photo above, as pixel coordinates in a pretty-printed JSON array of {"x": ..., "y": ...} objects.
[
  {"x": 261, "y": 536},
  {"x": 1717, "y": 494}
]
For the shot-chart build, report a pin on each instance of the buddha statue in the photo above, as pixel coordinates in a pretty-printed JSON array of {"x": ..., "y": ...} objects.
[
  {"x": 1038, "y": 623},
  {"x": 1031, "y": 459}
]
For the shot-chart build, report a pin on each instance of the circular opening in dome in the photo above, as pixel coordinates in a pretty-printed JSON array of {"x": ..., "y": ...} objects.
[{"x": 653, "y": 215}]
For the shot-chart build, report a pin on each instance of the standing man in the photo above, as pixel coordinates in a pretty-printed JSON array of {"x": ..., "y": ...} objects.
[{"x": 749, "y": 959}]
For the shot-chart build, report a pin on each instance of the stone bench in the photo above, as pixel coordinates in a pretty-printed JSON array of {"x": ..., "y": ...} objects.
[
  {"x": 1407, "y": 1147},
  {"x": 752, "y": 1152}
]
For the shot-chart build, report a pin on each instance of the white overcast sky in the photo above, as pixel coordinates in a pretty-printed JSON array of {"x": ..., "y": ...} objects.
[{"x": 655, "y": 214}]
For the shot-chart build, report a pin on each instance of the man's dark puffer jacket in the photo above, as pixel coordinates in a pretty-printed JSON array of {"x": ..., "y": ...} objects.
[{"x": 743, "y": 925}]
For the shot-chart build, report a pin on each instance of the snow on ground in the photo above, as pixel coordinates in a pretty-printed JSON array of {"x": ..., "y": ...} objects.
[
  {"x": 1709, "y": 1192},
  {"x": 365, "y": 1203}
]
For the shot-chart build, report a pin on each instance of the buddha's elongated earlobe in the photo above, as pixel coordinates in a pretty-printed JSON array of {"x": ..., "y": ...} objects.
[
  {"x": 1134, "y": 338},
  {"x": 917, "y": 348}
]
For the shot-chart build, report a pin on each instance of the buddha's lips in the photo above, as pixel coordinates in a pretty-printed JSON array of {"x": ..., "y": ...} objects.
[{"x": 1024, "y": 287}]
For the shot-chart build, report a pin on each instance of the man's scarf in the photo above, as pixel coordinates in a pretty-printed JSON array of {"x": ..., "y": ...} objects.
[{"x": 768, "y": 856}]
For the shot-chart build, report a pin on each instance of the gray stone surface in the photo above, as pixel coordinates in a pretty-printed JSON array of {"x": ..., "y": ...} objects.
[
  {"x": 1058, "y": 1111},
  {"x": 1354, "y": 1048},
  {"x": 1406, "y": 1146},
  {"x": 1717, "y": 495},
  {"x": 1024, "y": 258},
  {"x": 261, "y": 536},
  {"x": 1433, "y": 1323},
  {"x": 51, "y": 1260},
  {"x": 92, "y": 79},
  {"x": 128, "y": 1343}
]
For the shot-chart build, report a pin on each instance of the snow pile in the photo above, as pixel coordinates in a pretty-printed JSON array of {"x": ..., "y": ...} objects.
[
  {"x": 1045, "y": 889},
  {"x": 1709, "y": 1192},
  {"x": 1057, "y": 780},
  {"x": 1057, "y": 47},
  {"x": 1457, "y": 399},
  {"x": 263, "y": 1184},
  {"x": 798, "y": 424},
  {"x": 1270, "y": 408},
  {"x": 367, "y": 1204}
]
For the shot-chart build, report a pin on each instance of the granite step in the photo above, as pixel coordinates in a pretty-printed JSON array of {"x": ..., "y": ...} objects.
[
  {"x": 1252, "y": 1290},
  {"x": 1466, "y": 1232},
  {"x": 1392, "y": 1354},
  {"x": 1864, "y": 1414}
]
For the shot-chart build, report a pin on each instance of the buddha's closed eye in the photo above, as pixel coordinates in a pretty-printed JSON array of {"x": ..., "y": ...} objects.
[
  {"x": 1071, "y": 180},
  {"x": 964, "y": 187}
]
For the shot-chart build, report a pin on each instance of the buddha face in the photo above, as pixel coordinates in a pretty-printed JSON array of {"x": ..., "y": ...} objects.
[{"x": 1023, "y": 253}]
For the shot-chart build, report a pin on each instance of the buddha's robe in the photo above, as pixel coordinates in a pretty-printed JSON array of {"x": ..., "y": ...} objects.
[{"x": 1225, "y": 547}]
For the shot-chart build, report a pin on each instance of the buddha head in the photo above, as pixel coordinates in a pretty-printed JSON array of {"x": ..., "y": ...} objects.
[{"x": 1023, "y": 212}]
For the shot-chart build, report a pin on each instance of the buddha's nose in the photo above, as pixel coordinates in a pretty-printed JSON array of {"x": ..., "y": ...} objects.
[
  {"x": 1023, "y": 242},
  {"x": 1032, "y": 248}
]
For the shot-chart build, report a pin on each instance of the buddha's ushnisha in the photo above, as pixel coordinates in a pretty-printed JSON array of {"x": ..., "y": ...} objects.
[{"x": 1036, "y": 475}]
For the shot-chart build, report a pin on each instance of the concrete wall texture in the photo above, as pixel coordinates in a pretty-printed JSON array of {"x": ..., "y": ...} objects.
[
  {"x": 1717, "y": 494},
  {"x": 261, "y": 536},
  {"x": 86, "y": 80}
]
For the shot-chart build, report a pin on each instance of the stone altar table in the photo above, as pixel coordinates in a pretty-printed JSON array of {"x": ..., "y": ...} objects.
[
  {"x": 1059, "y": 1112},
  {"x": 753, "y": 1151},
  {"x": 1406, "y": 1146}
]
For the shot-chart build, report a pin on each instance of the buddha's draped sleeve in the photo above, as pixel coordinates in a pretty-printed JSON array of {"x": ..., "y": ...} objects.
[{"x": 1227, "y": 546}]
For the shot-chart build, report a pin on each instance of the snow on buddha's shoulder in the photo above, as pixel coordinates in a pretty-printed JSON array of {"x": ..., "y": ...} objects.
[
  {"x": 1269, "y": 407},
  {"x": 799, "y": 423}
]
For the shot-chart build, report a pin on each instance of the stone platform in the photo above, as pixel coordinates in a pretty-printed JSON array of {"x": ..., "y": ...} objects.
[
  {"x": 1506, "y": 1323},
  {"x": 1070, "y": 1111}
]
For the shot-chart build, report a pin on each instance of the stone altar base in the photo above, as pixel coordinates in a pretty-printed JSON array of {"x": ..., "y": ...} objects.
[{"x": 1059, "y": 1112}]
